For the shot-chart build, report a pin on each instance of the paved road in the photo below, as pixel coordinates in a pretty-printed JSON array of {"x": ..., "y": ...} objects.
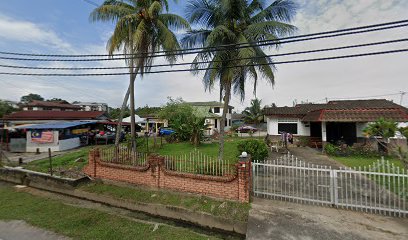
[
  {"x": 20, "y": 230},
  {"x": 279, "y": 220}
]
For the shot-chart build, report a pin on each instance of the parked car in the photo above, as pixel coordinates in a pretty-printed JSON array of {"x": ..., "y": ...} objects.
[
  {"x": 246, "y": 129},
  {"x": 166, "y": 131}
]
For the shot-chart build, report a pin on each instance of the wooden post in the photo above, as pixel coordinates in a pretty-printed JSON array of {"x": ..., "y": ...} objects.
[{"x": 50, "y": 158}]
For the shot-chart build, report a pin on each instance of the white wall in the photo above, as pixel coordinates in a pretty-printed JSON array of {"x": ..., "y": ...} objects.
[
  {"x": 55, "y": 146},
  {"x": 272, "y": 125}
]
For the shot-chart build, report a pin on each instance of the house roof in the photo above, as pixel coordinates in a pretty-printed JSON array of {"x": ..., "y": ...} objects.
[
  {"x": 203, "y": 111},
  {"x": 208, "y": 104},
  {"x": 55, "y": 115},
  {"x": 343, "y": 111},
  {"x": 58, "y": 125},
  {"x": 36, "y": 103}
]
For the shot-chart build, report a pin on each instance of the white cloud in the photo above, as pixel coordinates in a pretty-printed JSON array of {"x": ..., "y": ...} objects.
[{"x": 14, "y": 30}]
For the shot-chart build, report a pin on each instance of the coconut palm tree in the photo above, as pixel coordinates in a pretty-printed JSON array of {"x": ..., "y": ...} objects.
[
  {"x": 141, "y": 29},
  {"x": 228, "y": 22},
  {"x": 253, "y": 114}
]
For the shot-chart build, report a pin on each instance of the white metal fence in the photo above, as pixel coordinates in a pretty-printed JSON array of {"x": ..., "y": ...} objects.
[{"x": 379, "y": 188}]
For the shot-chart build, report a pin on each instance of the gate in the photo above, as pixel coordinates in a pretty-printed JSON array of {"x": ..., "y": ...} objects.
[{"x": 379, "y": 188}]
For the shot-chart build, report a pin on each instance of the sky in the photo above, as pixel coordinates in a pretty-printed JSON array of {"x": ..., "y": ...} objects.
[{"x": 63, "y": 27}]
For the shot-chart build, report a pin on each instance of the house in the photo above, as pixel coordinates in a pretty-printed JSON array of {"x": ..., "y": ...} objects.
[
  {"x": 57, "y": 136},
  {"x": 334, "y": 121},
  {"x": 213, "y": 119},
  {"x": 152, "y": 122},
  {"x": 49, "y": 106},
  {"x": 92, "y": 106},
  {"x": 36, "y": 117}
]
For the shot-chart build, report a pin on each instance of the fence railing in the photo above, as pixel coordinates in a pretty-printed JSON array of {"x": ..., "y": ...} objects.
[
  {"x": 379, "y": 188},
  {"x": 123, "y": 155},
  {"x": 198, "y": 163}
]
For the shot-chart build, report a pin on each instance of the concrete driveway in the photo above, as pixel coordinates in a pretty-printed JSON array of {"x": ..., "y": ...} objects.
[
  {"x": 278, "y": 220},
  {"x": 20, "y": 230}
]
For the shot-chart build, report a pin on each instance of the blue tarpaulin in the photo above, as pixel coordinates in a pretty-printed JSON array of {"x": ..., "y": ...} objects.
[{"x": 56, "y": 125}]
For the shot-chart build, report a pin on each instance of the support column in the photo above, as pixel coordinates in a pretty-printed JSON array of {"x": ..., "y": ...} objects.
[{"x": 324, "y": 134}]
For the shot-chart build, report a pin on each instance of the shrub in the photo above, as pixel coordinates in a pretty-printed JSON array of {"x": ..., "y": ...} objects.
[
  {"x": 331, "y": 149},
  {"x": 257, "y": 148}
]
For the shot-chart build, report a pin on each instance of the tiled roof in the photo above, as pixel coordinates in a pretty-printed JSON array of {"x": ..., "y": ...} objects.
[
  {"x": 36, "y": 103},
  {"x": 356, "y": 115},
  {"x": 343, "y": 111},
  {"x": 55, "y": 115}
]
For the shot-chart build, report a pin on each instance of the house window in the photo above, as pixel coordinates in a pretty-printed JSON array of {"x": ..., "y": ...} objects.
[
  {"x": 216, "y": 123},
  {"x": 230, "y": 122},
  {"x": 287, "y": 127},
  {"x": 216, "y": 110}
]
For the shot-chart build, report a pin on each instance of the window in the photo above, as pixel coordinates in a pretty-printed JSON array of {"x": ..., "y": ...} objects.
[
  {"x": 287, "y": 127},
  {"x": 230, "y": 122},
  {"x": 216, "y": 110},
  {"x": 216, "y": 123},
  {"x": 226, "y": 122}
]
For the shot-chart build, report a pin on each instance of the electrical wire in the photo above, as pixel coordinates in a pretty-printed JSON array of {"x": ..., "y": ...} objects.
[
  {"x": 209, "y": 68},
  {"x": 193, "y": 50},
  {"x": 204, "y": 62}
]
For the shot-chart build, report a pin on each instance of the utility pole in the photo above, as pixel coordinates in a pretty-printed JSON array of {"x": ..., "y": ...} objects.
[{"x": 402, "y": 96}]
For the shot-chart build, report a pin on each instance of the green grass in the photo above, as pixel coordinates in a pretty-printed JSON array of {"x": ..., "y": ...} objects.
[
  {"x": 80, "y": 223},
  {"x": 226, "y": 209},
  {"x": 361, "y": 161},
  {"x": 66, "y": 160}
]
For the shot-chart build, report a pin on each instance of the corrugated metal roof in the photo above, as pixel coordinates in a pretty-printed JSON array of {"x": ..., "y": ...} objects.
[{"x": 57, "y": 125}]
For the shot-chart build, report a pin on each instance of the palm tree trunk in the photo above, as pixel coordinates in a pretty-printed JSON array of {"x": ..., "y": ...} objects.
[
  {"x": 120, "y": 119},
  {"x": 222, "y": 124},
  {"x": 132, "y": 109}
]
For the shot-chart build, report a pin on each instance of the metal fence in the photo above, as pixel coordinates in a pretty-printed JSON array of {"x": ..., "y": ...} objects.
[
  {"x": 198, "y": 163},
  {"x": 123, "y": 155},
  {"x": 379, "y": 188}
]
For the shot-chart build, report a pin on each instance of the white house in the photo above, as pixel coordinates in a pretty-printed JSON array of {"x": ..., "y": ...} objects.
[
  {"x": 214, "y": 114},
  {"x": 92, "y": 106},
  {"x": 332, "y": 122}
]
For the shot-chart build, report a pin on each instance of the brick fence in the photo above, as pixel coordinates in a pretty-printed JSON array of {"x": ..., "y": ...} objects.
[{"x": 154, "y": 174}]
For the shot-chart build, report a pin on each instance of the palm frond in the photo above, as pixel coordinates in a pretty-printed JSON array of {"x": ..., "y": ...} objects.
[
  {"x": 111, "y": 11},
  {"x": 174, "y": 21},
  {"x": 279, "y": 10}
]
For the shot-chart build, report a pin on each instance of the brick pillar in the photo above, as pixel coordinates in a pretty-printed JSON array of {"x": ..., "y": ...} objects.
[{"x": 244, "y": 179}]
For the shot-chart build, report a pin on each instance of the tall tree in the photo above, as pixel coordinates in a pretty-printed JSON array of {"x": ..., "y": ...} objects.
[
  {"x": 253, "y": 114},
  {"x": 141, "y": 29},
  {"x": 229, "y": 22},
  {"x": 31, "y": 97},
  {"x": 5, "y": 108}
]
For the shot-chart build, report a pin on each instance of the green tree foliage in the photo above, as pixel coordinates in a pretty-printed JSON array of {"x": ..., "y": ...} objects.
[
  {"x": 185, "y": 120},
  {"x": 404, "y": 131},
  {"x": 381, "y": 128},
  {"x": 5, "y": 108},
  {"x": 58, "y": 100},
  {"x": 114, "y": 113},
  {"x": 31, "y": 97},
  {"x": 257, "y": 149},
  {"x": 253, "y": 114},
  {"x": 146, "y": 110},
  {"x": 226, "y": 22}
]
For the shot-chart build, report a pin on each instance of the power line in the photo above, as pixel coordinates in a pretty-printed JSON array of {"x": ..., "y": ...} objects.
[
  {"x": 208, "y": 68},
  {"x": 204, "y": 62},
  {"x": 197, "y": 50}
]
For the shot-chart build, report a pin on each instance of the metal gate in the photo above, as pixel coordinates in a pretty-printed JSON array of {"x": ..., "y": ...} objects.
[{"x": 380, "y": 188}]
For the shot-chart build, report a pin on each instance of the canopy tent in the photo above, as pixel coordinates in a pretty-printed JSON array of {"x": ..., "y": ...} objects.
[
  {"x": 56, "y": 125},
  {"x": 137, "y": 119}
]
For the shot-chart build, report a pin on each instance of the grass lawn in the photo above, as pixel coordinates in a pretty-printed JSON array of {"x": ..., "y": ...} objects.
[
  {"x": 361, "y": 161},
  {"x": 66, "y": 160},
  {"x": 80, "y": 223},
  {"x": 226, "y": 209}
]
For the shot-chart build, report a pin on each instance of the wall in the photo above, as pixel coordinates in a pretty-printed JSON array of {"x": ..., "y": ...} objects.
[
  {"x": 359, "y": 129},
  {"x": 154, "y": 174},
  {"x": 272, "y": 125},
  {"x": 67, "y": 144},
  {"x": 32, "y": 146}
]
